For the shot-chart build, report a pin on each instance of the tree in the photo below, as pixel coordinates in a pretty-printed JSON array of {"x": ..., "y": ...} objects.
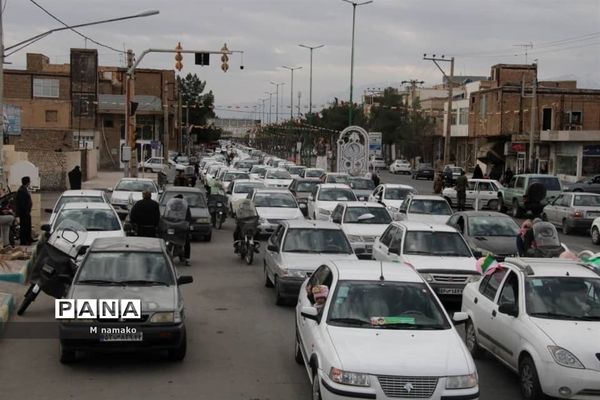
[{"x": 199, "y": 107}]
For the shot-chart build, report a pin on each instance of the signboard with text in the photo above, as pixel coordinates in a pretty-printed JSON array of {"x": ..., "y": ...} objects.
[
  {"x": 12, "y": 120},
  {"x": 375, "y": 141}
]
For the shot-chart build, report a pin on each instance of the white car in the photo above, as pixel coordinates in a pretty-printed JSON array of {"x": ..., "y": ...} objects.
[
  {"x": 425, "y": 208},
  {"x": 76, "y": 196},
  {"x": 274, "y": 206},
  {"x": 239, "y": 191},
  {"x": 438, "y": 252},
  {"x": 377, "y": 163},
  {"x": 325, "y": 197},
  {"x": 595, "y": 231},
  {"x": 381, "y": 334},
  {"x": 295, "y": 170},
  {"x": 484, "y": 190},
  {"x": 277, "y": 177},
  {"x": 128, "y": 191},
  {"x": 153, "y": 164},
  {"x": 296, "y": 249},
  {"x": 540, "y": 318},
  {"x": 362, "y": 222},
  {"x": 391, "y": 195},
  {"x": 230, "y": 176},
  {"x": 400, "y": 167},
  {"x": 258, "y": 171},
  {"x": 312, "y": 173}
]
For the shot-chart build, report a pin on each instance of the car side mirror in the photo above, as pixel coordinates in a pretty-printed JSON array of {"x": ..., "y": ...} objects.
[
  {"x": 184, "y": 279},
  {"x": 48, "y": 210},
  {"x": 509, "y": 309},
  {"x": 82, "y": 250},
  {"x": 310, "y": 313},
  {"x": 228, "y": 191},
  {"x": 460, "y": 317},
  {"x": 45, "y": 228},
  {"x": 273, "y": 247},
  {"x": 477, "y": 254}
]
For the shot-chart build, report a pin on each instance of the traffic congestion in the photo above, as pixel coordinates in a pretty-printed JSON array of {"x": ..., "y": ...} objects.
[{"x": 383, "y": 289}]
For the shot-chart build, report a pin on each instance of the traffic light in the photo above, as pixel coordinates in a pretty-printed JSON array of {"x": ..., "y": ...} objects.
[
  {"x": 178, "y": 57},
  {"x": 202, "y": 58},
  {"x": 224, "y": 58}
]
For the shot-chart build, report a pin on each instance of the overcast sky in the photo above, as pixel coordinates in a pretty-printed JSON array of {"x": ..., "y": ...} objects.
[{"x": 391, "y": 38}]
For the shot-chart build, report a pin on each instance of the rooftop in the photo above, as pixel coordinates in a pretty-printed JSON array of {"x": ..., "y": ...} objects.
[{"x": 371, "y": 271}]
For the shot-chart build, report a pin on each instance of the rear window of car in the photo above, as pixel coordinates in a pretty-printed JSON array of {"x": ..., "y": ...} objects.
[
  {"x": 587, "y": 201},
  {"x": 550, "y": 183}
]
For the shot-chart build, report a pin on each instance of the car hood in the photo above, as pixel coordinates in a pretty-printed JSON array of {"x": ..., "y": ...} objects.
[
  {"x": 499, "y": 245},
  {"x": 578, "y": 337},
  {"x": 442, "y": 263},
  {"x": 364, "y": 229},
  {"x": 198, "y": 212},
  {"x": 154, "y": 298},
  {"x": 278, "y": 182},
  {"x": 279, "y": 213},
  {"x": 310, "y": 262},
  {"x": 123, "y": 196},
  {"x": 423, "y": 353},
  {"x": 93, "y": 235},
  {"x": 362, "y": 192},
  {"x": 428, "y": 218},
  {"x": 392, "y": 203}
]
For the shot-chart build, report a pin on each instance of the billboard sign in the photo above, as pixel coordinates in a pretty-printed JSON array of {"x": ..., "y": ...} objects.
[
  {"x": 375, "y": 144},
  {"x": 12, "y": 120}
]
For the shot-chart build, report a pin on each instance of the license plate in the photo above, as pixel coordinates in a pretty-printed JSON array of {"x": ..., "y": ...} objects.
[
  {"x": 449, "y": 290},
  {"x": 122, "y": 337}
]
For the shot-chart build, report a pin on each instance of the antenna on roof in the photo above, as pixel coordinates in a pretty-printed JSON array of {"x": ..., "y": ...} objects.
[{"x": 381, "y": 278}]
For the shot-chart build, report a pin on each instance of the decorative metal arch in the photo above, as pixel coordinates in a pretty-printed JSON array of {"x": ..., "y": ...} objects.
[{"x": 353, "y": 151}]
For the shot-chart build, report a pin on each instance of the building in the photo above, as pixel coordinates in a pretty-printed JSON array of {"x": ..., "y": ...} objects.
[{"x": 239, "y": 128}]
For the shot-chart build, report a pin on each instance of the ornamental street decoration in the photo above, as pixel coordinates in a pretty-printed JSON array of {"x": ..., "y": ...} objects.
[{"x": 353, "y": 151}]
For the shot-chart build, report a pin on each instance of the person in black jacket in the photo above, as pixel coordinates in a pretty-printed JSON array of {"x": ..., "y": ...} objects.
[
  {"x": 145, "y": 214},
  {"x": 477, "y": 172},
  {"x": 24, "y": 205},
  {"x": 75, "y": 178}
]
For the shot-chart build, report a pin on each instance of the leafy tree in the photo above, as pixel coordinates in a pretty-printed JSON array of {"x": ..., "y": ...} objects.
[
  {"x": 200, "y": 107},
  {"x": 336, "y": 116}
]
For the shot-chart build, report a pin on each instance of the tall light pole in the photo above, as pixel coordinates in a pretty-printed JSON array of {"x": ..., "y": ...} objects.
[
  {"x": 277, "y": 101},
  {"x": 292, "y": 69},
  {"x": 270, "y": 104},
  {"x": 311, "y": 48},
  {"x": 282, "y": 85},
  {"x": 354, "y": 5}
]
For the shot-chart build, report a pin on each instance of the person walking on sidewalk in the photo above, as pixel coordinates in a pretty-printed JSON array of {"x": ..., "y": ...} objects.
[
  {"x": 24, "y": 205},
  {"x": 461, "y": 190}
]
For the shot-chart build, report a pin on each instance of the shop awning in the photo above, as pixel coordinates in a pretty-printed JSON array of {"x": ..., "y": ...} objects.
[{"x": 490, "y": 153}]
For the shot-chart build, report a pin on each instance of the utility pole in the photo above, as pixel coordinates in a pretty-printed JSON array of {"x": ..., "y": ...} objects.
[
  {"x": 277, "y": 101},
  {"x": 299, "y": 97},
  {"x": 263, "y": 111},
  {"x": 533, "y": 124},
  {"x": 270, "y": 104},
  {"x": 450, "y": 80},
  {"x": 413, "y": 89},
  {"x": 180, "y": 112},
  {"x": 292, "y": 69},
  {"x": 525, "y": 46},
  {"x": 166, "y": 125},
  {"x": 311, "y": 48},
  {"x": 130, "y": 168},
  {"x": 187, "y": 127}
]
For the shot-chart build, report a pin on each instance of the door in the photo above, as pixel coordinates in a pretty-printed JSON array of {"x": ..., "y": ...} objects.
[
  {"x": 485, "y": 192},
  {"x": 506, "y": 337},
  {"x": 564, "y": 209},
  {"x": 336, "y": 214},
  {"x": 551, "y": 210},
  {"x": 471, "y": 191},
  {"x": 396, "y": 246},
  {"x": 273, "y": 258},
  {"x": 483, "y": 304},
  {"x": 381, "y": 245}
]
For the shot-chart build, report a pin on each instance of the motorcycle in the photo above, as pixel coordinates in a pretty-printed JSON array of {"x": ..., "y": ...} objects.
[
  {"x": 56, "y": 263},
  {"x": 247, "y": 246},
  {"x": 217, "y": 206}
]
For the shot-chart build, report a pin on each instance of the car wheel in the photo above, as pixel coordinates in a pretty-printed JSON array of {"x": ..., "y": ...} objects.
[
  {"x": 268, "y": 282},
  {"x": 67, "y": 356},
  {"x": 297, "y": 351},
  {"x": 493, "y": 204},
  {"x": 279, "y": 300},
  {"x": 178, "y": 353},
  {"x": 595, "y": 235},
  {"x": 316, "y": 387},
  {"x": 565, "y": 227},
  {"x": 515, "y": 211},
  {"x": 529, "y": 380},
  {"x": 471, "y": 340}
]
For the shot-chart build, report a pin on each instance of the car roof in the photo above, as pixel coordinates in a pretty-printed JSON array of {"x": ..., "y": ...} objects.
[
  {"x": 537, "y": 176},
  {"x": 423, "y": 226},
  {"x": 307, "y": 179},
  {"x": 396, "y": 185},
  {"x": 136, "y": 179},
  {"x": 81, "y": 193},
  {"x": 474, "y": 213},
  {"x": 271, "y": 190},
  {"x": 583, "y": 193},
  {"x": 93, "y": 206},
  {"x": 314, "y": 168},
  {"x": 552, "y": 267},
  {"x": 189, "y": 189},
  {"x": 277, "y": 169},
  {"x": 371, "y": 270},
  {"x": 236, "y": 171},
  {"x": 248, "y": 181},
  {"x": 309, "y": 223},
  {"x": 426, "y": 197},
  {"x": 334, "y": 186},
  {"x": 129, "y": 243},
  {"x": 363, "y": 204}
]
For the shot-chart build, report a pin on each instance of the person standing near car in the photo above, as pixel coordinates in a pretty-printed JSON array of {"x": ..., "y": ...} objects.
[
  {"x": 461, "y": 190},
  {"x": 448, "y": 176},
  {"x": 477, "y": 172},
  {"x": 24, "y": 205},
  {"x": 146, "y": 215},
  {"x": 438, "y": 183}
]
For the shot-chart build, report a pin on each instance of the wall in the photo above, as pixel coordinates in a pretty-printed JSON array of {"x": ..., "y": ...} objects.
[
  {"x": 54, "y": 167},
  {"x": 92, "y": 164}
]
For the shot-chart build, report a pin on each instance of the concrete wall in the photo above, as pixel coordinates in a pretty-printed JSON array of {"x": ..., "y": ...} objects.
[
  {"x": 54, "y": 167},
  {"x": 92, "y": 164}
]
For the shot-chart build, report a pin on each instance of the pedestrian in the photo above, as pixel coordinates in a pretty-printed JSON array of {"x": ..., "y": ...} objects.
[
  {"x": 525, "y": 227},
  {"x": 438, "y": 183},
  {"x": 375, "y": 178},
  {"x": 448, "y": 176},
  {"x": 7, "y": 217},
  {"x": 75, "y": 178},
  {"x": 508, "y": 174},
  {"x": 145, "y": 214},
  {"x": 24, "y": 205},
  {"x": 477, "y": 172},
  {"x": 461, "y": 190},
  {"x": 180, "y": 179}
]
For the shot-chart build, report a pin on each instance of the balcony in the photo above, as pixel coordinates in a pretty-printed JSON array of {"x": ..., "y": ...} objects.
[{"x": 570, "y": 136}]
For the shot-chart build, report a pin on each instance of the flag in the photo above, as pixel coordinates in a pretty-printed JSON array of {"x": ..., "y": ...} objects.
[{"x": 486, "y": 264}]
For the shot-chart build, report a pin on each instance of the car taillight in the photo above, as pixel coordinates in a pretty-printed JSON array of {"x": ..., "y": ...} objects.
[{"x": 577, "y": 214}]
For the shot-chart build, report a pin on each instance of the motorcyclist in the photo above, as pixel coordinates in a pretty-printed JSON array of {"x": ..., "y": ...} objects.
[
  {"x": 145, "y": 214},
  {"x": 176, "y": 210},
  {"x": 246, "y": 211},
  {"x": 180, "y": 179}
]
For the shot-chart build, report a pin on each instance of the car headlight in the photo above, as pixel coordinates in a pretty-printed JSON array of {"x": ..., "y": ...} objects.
[
  {"x": 473, "y": 278},
  {"x": 294, "y": 273},
  {"x": 428, "y": 277},
  {"x": 324, "y": 211},
  {"x": 355, "y": 238},
  {"x": 564, "y": 357},
  {"x": 163, "y": 317},
  {"x": 349, "y": 378},
  {"x": 203, "y": 220},
  {"x": 461, "y": 381}
]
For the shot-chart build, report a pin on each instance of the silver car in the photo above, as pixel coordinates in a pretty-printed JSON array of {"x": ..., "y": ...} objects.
[
  {"x": 484, "y": 190},
  {"x": 573, "y": 211}
]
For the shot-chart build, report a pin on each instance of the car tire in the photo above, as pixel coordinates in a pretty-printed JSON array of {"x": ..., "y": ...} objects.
[
  {"x": 595, "y": 235},
  {"x": 471, "y": 341},
  {"x": 566, "y": 229},
  {"x": 529, "y": 382},
  {"x": 279, "y": 300},
  {"x": 493, "y": 204},
  {"x": 178, "y": 353},
  {"x": 268, "y": 282},
  {"x": 67, "y": 356},
  {"x": 515, "y": 210},
  {"x": 297, "y": 351},
  {"x": 316, "y": 387}
]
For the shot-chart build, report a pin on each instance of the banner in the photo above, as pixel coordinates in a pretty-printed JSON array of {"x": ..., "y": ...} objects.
[{"x": 12, "y": 120}]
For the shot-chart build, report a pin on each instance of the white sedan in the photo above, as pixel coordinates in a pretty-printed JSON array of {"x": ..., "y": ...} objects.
[
  {"x": 485, "y": 191},
  {"x": 76, "y": 196},
  {"x": 325, "y": 197},
  {"x": 400, "y": 167},
  {"x": 128, "y": 191},
  {"x": 380, "y": 334},
  {"x": 540, "y": 318},
  {"x": 277, "y": 177},
  {"x": 274, "y": 206}
]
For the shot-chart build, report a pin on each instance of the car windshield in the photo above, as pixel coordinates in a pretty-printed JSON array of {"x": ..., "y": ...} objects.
[
  {"x": 229, "y": 176},
  {"x": 295, "y": 170},
  {"x": 306, "y": 186},
  {"x": 314, "y": 173},
  {"x": 338, "y": 178},
  {"x": 257, "y": 169},
  {"x": 397, "y": 193},
  {"x": 278, "y": 174},
  {"x": 424, "y": 166},
  {"x": 551, "y": 183},
  {"x": 90, "y": 219},
  {"x": 563, "y": 298},
  {"x": 246, "y": 187},
  {"x": 449, "y": 244},
  {"x": 362, "y": 184},
  {"x": 132, "y": 268},
  {"x": 385, "y": 305},
  {"x": 245, "y": 164},
  {"x": 587, "y": 201},
  {"x": 336, "y": 194},
  {"x": 280, "y": 200},
  {"x": 379, "y": 215},
  {"x": 433, "y": 207},
  {"x": 492, "y": 226},
  {"x": 316, "y": 241},
  {"x": 193, "y": 199},
  {"x": 136, "y": 186},
  {"x": 77, "y": 199}
]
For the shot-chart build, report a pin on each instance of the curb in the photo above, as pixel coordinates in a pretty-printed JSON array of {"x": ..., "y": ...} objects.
[{"x": 7, "y": 305}]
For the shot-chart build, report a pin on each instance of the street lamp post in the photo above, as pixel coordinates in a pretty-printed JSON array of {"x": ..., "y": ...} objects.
[
  {"x": 292, "y": 69},
  {"x": 311, "y": 74},
  {"x": 354, "y": 5},
  {"x": 270, "y": 104},
  {"x": 277, "y": 101}
]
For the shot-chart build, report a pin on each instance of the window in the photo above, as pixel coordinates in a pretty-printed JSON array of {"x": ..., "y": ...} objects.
[
  {"x": 397, "y": 240},
  {"x": 45, "y": 87},
  {"x": 463, "y": 116},
  {"x": 520, "y": 183},
  {"x": 510, "y": 290},
  {"x": 511, "y": 184},
  {"x": 485, "y": 187},
  {"x": 387, "y": 236},
  {"x": 566, "y": 201},
  {"x": 490, "y": 287},
  {"x": 575, "y": 117},
  {"x": 51, "y": 116}
]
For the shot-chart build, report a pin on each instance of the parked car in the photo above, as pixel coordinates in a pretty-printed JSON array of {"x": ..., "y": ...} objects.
[
  {"x": 362, "y": 222},
  {"x": 76, "y": 196},
  {"x": 595, "y": 231},
  {"x": 128, "y": 191},
  {"x": 296, "y": 249},
  {"x": 128, "y": 268},
  {"x": 153, "y": 164},
  {"x": 238, "y": 191},
  {"x": 362, "y": 187},
  {"x": 274, "y": 205},
  {"x": 400, "y": 167},
  {"x": 484, "y": 190},
  {"x": 377, "y": 163},
  {"x": 528, "y": 193},
  {"x": 391, "y": 195},
  {"x": 573, "y": 211},
  {"x": 425, "y": 208},
  {"x": 277, "y": 177},
  {"x": 312, "y": 173},
  {"x": 325, "y": 197},
  {"x": 336, "y": 177},
  {"x": 423, "y": 170},
  {"x": 438, "y": 252},
  {"x": 201, "y": 226},
  {"x": 540, "y": 318},
  {"x": 301, "y": 188},
  {"x": 487, "y": 232},
  {"x": 590, "y": 185},
  {"x": 456, "y": 171},
  {"x": 373, "y": 312}
]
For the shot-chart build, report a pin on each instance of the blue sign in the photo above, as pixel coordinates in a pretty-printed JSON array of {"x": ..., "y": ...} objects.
[
  {"x": 12, "y": 120},
  {"x": 155, "y": 144}
]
